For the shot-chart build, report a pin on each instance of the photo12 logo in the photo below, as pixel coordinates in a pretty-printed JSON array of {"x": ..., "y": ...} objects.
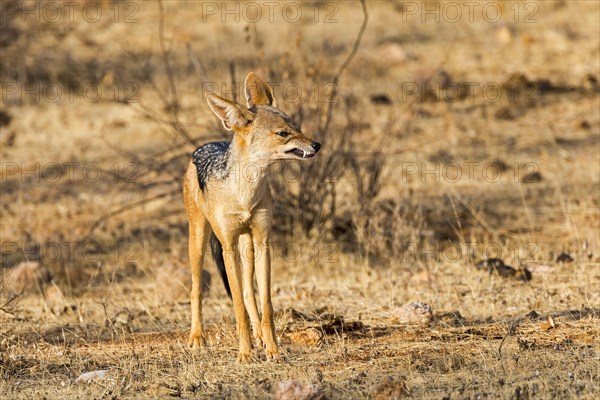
[
  {"x": 270, "y": 11},
  {"x": 470, "y": 11},
  {"x": 469, "y": 172},
  {"x": 470, "y": 252},
  {"x": 69, "y": 11},
  {"x": 56, "y": 92},
  {"x": 454, "y": 92},
  {"x": 66, "y": 252},
  {"x": 61, "y": 172}
]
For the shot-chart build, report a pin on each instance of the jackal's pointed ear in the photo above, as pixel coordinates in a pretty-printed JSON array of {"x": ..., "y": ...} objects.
[
  {"x": 258, "y": 92},
  {"x": 233, "y": 115}
]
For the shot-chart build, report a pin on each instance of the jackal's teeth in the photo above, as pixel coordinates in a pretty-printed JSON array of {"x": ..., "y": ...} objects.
[{"x": 303, "y": 153}]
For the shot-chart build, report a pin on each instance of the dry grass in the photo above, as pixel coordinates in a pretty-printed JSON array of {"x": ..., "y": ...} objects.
[
  {"x": 413, "y": 237},
  {"x": 486, "y": 352}
]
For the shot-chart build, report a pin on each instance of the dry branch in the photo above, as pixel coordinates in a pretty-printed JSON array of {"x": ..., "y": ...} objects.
[{"x": 344, "y": 66}]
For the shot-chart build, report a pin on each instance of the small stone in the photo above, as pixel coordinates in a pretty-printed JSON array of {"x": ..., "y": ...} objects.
[
  {"x": 390, "y": 387},
  {"x": 98, "y": 375},
  {"x": 532, "y": 177},
  {"x": 414, "y": 313},
  {"x": 517, "y": 82},
  {"x": 496, "y": 266},
  {"x": 307, "y": 337},
  {"x": 5, "y": 118},
  {"x": 523, "y": 274},
  {"x": 505, "y": 271},
  {"x": 381, "y": 99},
  {"x": 507, "y": 114},
  {"x": 548, "y": 324},
  {"x": 585, "y": 124},
  {"x": 564, "y": 258},
  {"x": 290, "y": 390},
  {"x": 532, "y": 315},
  {"x": 393, "y": 53}
]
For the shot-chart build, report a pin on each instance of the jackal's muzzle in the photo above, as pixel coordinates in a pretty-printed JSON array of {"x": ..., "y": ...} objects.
[{"x": 307, "y": 152}]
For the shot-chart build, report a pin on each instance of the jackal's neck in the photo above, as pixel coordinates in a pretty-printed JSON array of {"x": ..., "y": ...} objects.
[{"x": 246, "y": 167}]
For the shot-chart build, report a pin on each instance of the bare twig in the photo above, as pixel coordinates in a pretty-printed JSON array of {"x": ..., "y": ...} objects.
[
  {"x": 171, "y": 104},
  {"x": 4, "y": 307},
  {"x": 344, "y": 66},
  {"x": 512, "y": 329},
  {"x": 148, "y": 78},
  {"x": 232, "y": 79},
  {"x": 174, "y": 103},
  {"x": 197, "y": 64}
]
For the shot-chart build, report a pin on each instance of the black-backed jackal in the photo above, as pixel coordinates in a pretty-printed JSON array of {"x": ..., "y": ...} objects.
[{"x": 228, "y": 203}]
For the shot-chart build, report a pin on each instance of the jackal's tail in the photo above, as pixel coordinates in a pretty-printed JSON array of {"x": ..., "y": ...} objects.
[{"x": 217, "y": 252}]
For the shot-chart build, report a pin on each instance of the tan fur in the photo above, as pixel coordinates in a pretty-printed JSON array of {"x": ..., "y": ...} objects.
[{"x": 238, "y": 210}]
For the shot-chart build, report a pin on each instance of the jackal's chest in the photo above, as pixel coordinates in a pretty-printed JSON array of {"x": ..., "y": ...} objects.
[
  {"x": 237, "y": 205},
  {"x": 242, "y": 217},
  {"x": 242, "y": 220},
  {"x": 247, "y": 206}
]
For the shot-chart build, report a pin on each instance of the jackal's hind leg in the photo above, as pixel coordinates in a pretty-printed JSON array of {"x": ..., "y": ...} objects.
[
  {"x": 230, "y": 253},
  {"x": 199, "y": 230}
]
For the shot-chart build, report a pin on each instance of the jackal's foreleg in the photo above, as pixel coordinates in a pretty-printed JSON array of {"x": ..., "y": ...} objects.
[
  {"x": 263, "y": 277},
  {"x": 247, "y": 257}
]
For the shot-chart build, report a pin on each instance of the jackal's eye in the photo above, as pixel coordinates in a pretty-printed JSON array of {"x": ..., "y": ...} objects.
[{"x": 283, "y": 134}]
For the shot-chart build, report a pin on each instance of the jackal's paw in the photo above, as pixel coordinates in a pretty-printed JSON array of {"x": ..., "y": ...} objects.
[
  {"x": 258, "y": 342},
  {"x": 196, "y": 342},
  {"x": 244, "y": 357},
  {"x": 272, "y": 353}
]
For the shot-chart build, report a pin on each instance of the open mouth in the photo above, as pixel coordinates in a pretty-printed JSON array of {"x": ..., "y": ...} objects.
[{"x": 300, "y": 153}]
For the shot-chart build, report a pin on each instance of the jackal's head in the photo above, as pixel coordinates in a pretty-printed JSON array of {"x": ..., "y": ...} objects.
[{"x": 268, "y": 133}]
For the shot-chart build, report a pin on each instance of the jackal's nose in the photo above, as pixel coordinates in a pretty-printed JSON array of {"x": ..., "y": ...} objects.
[{"x": 316, "y": 146}]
